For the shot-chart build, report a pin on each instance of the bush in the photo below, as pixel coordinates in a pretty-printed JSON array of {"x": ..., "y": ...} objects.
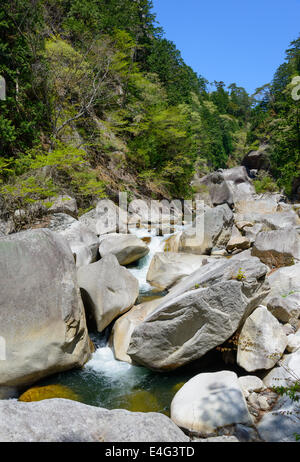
[
  {"x": 265, "y": 183},
  {"x": 44, "y": 175}
]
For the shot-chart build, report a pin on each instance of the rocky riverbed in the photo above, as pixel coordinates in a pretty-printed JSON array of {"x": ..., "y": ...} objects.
[{"x": 187, "y": 332}]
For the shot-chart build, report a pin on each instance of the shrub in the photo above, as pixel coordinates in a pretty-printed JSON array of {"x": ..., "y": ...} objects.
[{"x": 264, "y": 183}]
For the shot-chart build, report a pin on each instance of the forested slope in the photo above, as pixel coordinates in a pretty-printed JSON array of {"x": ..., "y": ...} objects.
[{"x": 98, "y": 100}]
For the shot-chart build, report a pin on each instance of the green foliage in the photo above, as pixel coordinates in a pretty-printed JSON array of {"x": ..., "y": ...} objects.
[
  {"x": 264, "y": 183},
  {"x": 23, "y": 112},
  {"x": 46, "y": 174},
  {"x": 292, "y": 392},
  {"x": 276, "y": 119},
  {"x": 241, "y": 275},
  {"x": 100, "y": 74}
]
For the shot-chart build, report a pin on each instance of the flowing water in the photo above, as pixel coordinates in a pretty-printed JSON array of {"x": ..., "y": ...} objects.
[{"x": 112, "y": 384}]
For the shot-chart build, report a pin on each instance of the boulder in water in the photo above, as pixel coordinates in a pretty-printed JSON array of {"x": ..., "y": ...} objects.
[
  {"x": 126, "y": 247},
  {"x": 42, "y": 318},
  {"x": 108, "y": 290}
]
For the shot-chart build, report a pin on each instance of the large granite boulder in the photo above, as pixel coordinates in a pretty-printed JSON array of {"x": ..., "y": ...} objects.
[
  {"x": 284, "y": 281},
  {"x": 214, "y": 187},
  {"x": 41, "y": 313},
  {"x": 108, "y": 290},
  {"x": 155, "y": 212},
  {"x": 168, "y": 268},
  {"x": 106, "y": 218},
  {"x": 239, "y": 183},
  {"x": 256, "y": 160},
  {"x": 251, "y": 271},
  {"x": 277, "y": 248},
  {"x": 285, "y": 307},
  {"x": 280, "y": 220},
  {"x": 262, "y": 341},
  {"x": 258, "y": 204},
  {"x": 126, "y": 247},
  {"x": 201, "y": 312},
  {"x": 83, "y": 242},
  {"x": 224, "y": 186},
  {"x": 281, "y": 424},
  {"x": 208, "y": 402},
  {"x": 210, "y": 229},
  {"x": 64, "y": 204},
  {"x": 61, "y": 420}
]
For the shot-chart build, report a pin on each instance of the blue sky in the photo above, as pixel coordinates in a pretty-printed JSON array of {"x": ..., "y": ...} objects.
[{"x": 241, "y": 41}]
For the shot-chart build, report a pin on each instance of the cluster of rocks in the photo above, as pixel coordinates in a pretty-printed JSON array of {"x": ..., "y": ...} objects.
[{"x": 238, "y": 277}]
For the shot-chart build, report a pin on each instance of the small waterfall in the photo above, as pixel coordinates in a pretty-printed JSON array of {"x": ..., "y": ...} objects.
[
  {"x": 117, "y": 378},
  {"x": 103, "y": 360}
]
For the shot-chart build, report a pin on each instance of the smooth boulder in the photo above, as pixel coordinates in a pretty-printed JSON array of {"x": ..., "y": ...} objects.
[
  {"x": 42, "y": 317},
  {"x": 199, "y": 313},
  {"x": 285, "y": 307},
  {"x": 277, "y": 248},
  {"x": 108, "y": 290},
  {"x": 286, "y": 372},
  {"x": 281, "y": 424},
  {"x": 83, "y": 242},
  {"x": 106, "y": 218},
  {"x": 126, "y": 247},
  {"x": 61, "y": 420},
  {"x": 208, "y": 402},
  {"x": 168, "y": 268},
  {"x": 213, "y": 189},
  {"x": 211, "y": 229},
  {"x": 262, "y": 341}
]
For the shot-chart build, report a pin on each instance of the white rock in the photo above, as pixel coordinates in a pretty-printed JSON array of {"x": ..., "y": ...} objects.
[
  {"x": 126, "y": 247},
  {"x": 287, "y": 371},
  {"x": 250, "y": 383},
  {"x": 61, "y": 420},
  {"x": 293, "y": 342},
  {"x": 285, "y": 308},
  {"x": 210, "y": 401},
  {"x": 108, "y": 290},
  {"x": 263, "y": 403},
  {"x": 83, "y": 242},
  {"x": 275, "y": 250},
  {"x": 284, "y": 281},
  {"x": 168, "y": 268},
  {"x": 41, "y": 313},
  {"x": 262, "y": 341},
  {"x": 281, "y": 424}
]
